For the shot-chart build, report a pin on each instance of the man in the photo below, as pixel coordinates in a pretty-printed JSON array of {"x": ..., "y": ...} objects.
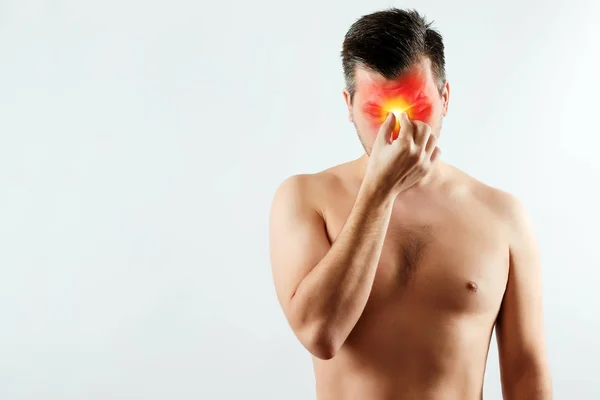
[{"x": 393, "y": 269}]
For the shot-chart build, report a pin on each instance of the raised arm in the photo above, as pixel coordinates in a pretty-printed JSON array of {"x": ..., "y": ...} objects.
[
  {"x": 323, "y": 289},
  {"x": 519, "y": 328}
]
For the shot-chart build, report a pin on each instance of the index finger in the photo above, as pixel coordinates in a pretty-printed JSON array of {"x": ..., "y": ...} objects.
[{"x": 406, "y": 127}]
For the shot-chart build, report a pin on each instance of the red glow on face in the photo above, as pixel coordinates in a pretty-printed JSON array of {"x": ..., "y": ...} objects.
[{"x": 406, "y": 94}]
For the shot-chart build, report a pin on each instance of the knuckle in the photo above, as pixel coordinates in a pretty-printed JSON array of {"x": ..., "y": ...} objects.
[
  {"x": 419, "y": 169},
  {"x": 416, "y": 136},
  {"x": 422, "y": 127},
  {"x": 414, "y": 155},
  {"x": 426, "y": 136}
]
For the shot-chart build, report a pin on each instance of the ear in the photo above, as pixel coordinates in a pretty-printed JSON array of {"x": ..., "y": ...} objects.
[
  {"x": 348, "y": 104},
  {"x": 446, "y": 97}
]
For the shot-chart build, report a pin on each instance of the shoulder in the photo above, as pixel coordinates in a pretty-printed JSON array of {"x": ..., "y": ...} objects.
[
  {"x": 507, "y": 212},
  {"x": 308, "y": 190},
  {"x": 505, "y": 205}
]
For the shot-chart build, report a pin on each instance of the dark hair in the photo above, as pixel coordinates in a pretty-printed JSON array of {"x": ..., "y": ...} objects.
[{"x": 390, "y": 42}]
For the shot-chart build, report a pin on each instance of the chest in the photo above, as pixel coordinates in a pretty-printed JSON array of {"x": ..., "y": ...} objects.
[{"x": 442, "y": 259}]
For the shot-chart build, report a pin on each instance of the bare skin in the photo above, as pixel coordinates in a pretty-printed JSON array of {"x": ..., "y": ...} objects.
[{"x": 394, "y": 283}]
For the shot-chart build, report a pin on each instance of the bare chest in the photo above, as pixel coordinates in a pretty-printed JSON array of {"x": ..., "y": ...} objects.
[{"x": 450, "y": 260}]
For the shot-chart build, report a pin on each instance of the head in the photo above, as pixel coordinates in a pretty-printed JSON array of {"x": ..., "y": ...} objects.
[{"x": 393, "y": 61}]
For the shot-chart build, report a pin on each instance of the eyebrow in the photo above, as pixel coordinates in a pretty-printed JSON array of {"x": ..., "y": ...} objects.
[{"x": 419, "y": 97}]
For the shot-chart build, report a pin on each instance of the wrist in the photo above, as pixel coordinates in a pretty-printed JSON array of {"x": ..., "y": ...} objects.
[{"x": 374, "y": 192}]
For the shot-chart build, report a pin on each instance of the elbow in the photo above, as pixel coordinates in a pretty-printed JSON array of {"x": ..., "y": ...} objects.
[
  {"x": 316, "y": 333},
  {"x": 530, "y": 383},
  {"x": 321, "y": 347},
  {"x": 320, "y": 342}
]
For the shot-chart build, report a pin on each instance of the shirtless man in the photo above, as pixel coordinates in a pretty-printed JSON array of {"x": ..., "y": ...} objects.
[{"x": 393, "y": 269}]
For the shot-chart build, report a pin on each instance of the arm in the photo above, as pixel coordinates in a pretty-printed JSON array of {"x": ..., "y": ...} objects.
[
  {"x": 323, "y": 288},
  {"x": 519, "y": 329}
]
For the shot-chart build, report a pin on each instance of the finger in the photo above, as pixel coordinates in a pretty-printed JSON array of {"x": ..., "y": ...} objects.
[
  {"x": 435, "y": 155},
  {"x": 421, "y": 134},
  {"x": 386, "y": 129},
  {"x": 431, "y": 144},
  {"x": 406, "y": 126}
]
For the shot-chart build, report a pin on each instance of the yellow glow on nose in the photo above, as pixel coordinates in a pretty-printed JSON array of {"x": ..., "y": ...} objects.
[
  {"x": 397, "y": 112},
  {"x": 395, "y": 105}
]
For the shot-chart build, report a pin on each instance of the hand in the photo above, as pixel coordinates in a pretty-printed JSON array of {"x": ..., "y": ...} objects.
[{"x": 397, "y": 164}]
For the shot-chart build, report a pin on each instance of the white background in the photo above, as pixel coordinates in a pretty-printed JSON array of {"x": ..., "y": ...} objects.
[{"x": 141, "y": 144}]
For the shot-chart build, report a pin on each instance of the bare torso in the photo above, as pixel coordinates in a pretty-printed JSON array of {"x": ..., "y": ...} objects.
[{"x": 426, "y": 328}]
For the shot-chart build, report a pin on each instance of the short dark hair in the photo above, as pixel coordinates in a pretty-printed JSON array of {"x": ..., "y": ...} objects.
[{"x": 390, "y": 42}]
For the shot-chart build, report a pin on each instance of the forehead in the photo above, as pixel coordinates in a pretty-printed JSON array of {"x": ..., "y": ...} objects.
[{"x": 371, "y": 86}]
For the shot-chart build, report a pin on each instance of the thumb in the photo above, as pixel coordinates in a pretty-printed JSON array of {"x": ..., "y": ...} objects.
[{"x": 404, "y": 121}]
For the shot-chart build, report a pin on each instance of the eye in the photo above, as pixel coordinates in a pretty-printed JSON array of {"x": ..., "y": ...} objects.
[
  {"x": 372, "y": 109},
  {"x": 421, "y": 112},
  {"x": 420, "y": 97},
  {"x": 418, "y": 106}
]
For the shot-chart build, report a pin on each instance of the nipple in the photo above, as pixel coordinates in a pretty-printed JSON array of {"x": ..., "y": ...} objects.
[{"x": 472, "y": 286}]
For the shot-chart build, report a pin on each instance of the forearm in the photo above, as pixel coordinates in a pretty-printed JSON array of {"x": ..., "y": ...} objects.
[
  {"x": 331, "y": 298},
  {"x": 531, "y": 384}
]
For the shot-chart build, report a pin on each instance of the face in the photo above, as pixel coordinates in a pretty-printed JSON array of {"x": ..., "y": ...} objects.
[{"x": 414, "y": 92}]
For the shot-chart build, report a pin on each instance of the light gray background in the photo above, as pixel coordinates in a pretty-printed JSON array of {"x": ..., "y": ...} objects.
[{"x": 141, "y": 144}]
